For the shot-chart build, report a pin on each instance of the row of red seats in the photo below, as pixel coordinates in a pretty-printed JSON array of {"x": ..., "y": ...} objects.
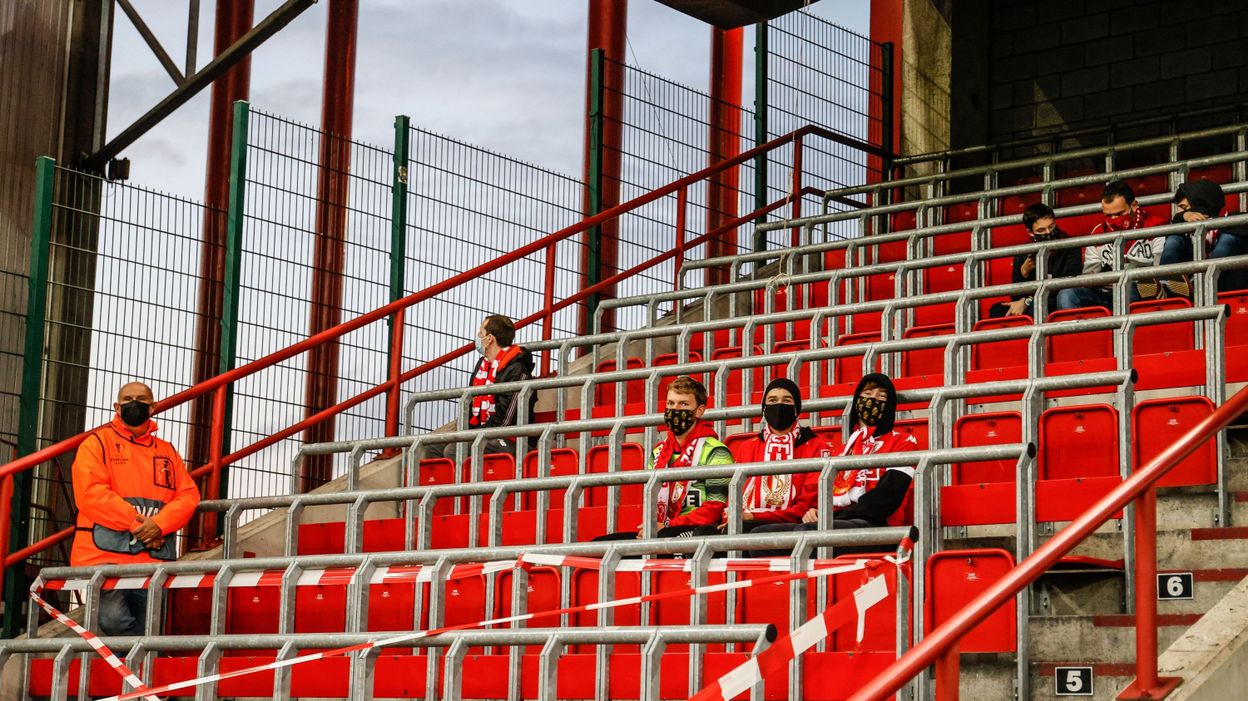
[
  {"x": 1165, "y": 354},
  {"x": 1077, "y": 463},
  {"x": 846, "y": 663}
]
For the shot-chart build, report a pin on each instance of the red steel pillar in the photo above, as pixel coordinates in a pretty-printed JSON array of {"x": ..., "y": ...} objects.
[
  {"x": 329, "y": 255},
  {"x": 608, "y": 29},
  {"x": 233, "y": 20},
  {"x": 724, "y": 141}
]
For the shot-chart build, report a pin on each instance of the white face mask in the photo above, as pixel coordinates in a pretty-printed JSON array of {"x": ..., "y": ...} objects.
[{"x": 479, "y": 343}]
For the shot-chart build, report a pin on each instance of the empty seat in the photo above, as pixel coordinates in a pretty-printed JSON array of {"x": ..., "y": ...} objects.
[
  {"x": 974, "y": 430},
  {"x": 598, "y": 460},
  {"x": 436, "y": 471},
  {"x": 734, "y": 381},
  {"x": 1000, "y": 354},
  {"x": 1078, "y": 459},
  {"x": 667, "y": 359},
  {"x": 563, "y": 463},
  {"x": 927, "y": 361},
  {"x": 1236, "y": 317},
  {"x": 1163, "y": 338},
  {"x": 957, "y": 576},
  {"x": 848, "y": 369},
  {"x": 1072, "y": 347},
  {"x": 1158, "y": 424},
  {"x": 914, "y": 427},
  {"x": 634, "y": 390}
]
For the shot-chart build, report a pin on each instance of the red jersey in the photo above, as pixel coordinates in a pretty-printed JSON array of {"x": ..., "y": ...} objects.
[
  {"x": 782, "y": 498},
  {"x": 852, "y": 485}
]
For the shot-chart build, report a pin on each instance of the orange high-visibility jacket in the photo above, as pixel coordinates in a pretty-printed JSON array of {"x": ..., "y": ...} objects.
[{"x": 117, "y": 477}]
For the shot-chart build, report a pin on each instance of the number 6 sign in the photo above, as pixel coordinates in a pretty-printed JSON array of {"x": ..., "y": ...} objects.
[{"x": 1174, "y": 586}]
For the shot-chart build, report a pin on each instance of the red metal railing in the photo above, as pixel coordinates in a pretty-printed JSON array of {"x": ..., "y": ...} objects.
[
  {"x": 940, "y": 647},
  {"x": 218, "y": 386}
]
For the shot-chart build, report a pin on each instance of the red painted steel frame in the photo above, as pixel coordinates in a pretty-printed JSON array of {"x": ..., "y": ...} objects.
[
  {"x": 233, "y": 20},
  {"x": 216, "y": 384},
  {"x": 724, "y": 141},
  {"x": 329, "y": 255},
  {"x": 607, "y": 30},
  {"x": 1139, "y": 487}
]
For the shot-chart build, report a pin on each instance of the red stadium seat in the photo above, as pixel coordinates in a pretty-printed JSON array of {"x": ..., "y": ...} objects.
[
  {"x": 928, "y": 361},
  {"x": 957, "y": 576},
  {"x": 1071, "y": 347},
  {"x": 562, "y": 464},
  {"x": 974, "y": 430},
  {"x": 598, "y": 460},
  {"x": 1236, "y": 317},
  {"x": 438, "y": 471},
  {"x": 734, "y": 382},
  {"x": 849, "y": 368},
  {"x": 1163, "y": 338},
  {"x": 1158, "y": 423},
  {"x": 916, "y": 428},
  {"x": 667, "y": 359},
  {"x": 495, "y": 467},
  {"x": 1000, "y": 354},
  {"x": 1078, "y": 460},
  {"x": 634, "y": 390}
]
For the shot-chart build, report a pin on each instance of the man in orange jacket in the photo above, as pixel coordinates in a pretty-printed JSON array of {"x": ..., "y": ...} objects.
[{"x": 133, "y": 492}]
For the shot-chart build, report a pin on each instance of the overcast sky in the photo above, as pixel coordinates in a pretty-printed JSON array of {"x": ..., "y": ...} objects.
[{"x": 504, "y": 74}]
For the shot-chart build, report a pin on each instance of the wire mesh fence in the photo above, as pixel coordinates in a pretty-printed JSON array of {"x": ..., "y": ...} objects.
[{"x": 122, "y": 284}]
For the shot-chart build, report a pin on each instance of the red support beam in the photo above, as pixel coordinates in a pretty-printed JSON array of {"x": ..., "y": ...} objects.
[
  {"x": 233, "y": 20},
  {"x": 329, "y": 254},
  {"x": 608, "y": 30},
  {"x": 724, "y": 143}
]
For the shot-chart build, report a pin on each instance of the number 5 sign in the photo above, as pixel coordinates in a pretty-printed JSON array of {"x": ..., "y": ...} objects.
[
  {"x": 1173, "y": 586},
  {"x": 1073, "y": 681}
]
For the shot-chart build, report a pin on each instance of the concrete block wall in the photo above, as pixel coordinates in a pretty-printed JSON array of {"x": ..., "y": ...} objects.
[{"x": 1079, "y": 63}]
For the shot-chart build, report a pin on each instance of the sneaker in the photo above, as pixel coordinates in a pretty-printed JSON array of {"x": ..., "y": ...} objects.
[
  {"x": 1179, "y": 287},
  {"x": 1147, "y": 288}
]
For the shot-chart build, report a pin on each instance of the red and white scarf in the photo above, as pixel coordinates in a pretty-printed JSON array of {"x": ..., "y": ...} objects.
[
  {"x": 483, "y": 404},
  {"x": 672, "y": 494},
  {"x": 769, "y": 492}
]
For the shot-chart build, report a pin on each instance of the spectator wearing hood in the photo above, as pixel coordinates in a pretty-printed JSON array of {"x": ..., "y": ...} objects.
[
  {"x": 501, "y": 361},
  {"x": 1122, "y": 213},
  {"x": 869, "y": 497},
  {"x": 781, "y": 498},
  {"x": 1198, "y": 201},
  {"x": 1041, "y": 225}
]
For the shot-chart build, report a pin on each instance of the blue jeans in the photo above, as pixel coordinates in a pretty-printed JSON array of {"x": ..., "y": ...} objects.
[
  {"x": 1078, "y": 297},
  {"x": 1178, "y": 249},
  {"x": 122, "y": 611}
]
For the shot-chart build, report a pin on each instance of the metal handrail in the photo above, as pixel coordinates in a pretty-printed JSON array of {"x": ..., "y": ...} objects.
[
  {"x": 1064, "y": 135},
  {"x": 219, "y": 385},
  {"x": 1139, "y": 489},
  {"x": 1088, "y": 152}
]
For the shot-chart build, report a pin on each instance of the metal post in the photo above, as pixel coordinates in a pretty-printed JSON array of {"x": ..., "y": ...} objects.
[
  {"x": 887, "y": 115},
  {"x": 228, "y": 354},
  {"x": 760, "y": 128},
  {"x": 1147, "y": 685},
  {"x": 682, "y": 203},
  {"x": 17, "y": 525},
  {"x": 723, "y": 142},
  {"x": 948, "y": 669},
  {"x": 398, "y": 262},
  {"x": 329, "y": 249},
  {"x": 593, "y": 184}
]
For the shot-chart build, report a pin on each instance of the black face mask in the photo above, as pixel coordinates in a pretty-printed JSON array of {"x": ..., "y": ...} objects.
[
  {"x": 679, "y": 421},
  {"x": 870, "y": 410},
  {"x": 780, "y": 416},
  {"x": 135, "y": 413}
]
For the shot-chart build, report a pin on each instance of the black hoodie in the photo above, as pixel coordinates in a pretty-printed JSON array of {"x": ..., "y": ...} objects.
[
  {"x": 1206, "y": 197},
  {"x": 889, "y": 494},
  {"x": 520, "y": 368}
]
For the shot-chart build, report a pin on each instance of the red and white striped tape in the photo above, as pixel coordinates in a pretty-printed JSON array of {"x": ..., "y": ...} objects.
[
  {"x": 807, "y": 635},
  {"x": 417, "y": 573},
  {"x": 99, "y": 646},
  {"x": 532, "y": 560}
]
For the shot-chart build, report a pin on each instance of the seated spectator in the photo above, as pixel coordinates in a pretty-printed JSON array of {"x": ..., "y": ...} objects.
[
  {"x": 1041, "y": 225},
  {"x": 500, "y": 362},
  {"x": 1122, "y": 213},
  {"x": 870, "y": 497},
  {"x": 1199, "y": 201},
  {"x": 693, "y": 507},
  {"x": 780, "y": 498},
  {"x": 132, "y": 492}
]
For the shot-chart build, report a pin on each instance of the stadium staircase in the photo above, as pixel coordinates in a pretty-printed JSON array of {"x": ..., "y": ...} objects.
[{"x": 1026, "y": 426}]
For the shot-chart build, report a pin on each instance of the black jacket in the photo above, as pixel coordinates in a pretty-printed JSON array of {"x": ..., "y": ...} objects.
[
  {"x": 506, "y": 413},
  {"x": 1067, "y": 262},
  {"x": 1206, "y": 197}
]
